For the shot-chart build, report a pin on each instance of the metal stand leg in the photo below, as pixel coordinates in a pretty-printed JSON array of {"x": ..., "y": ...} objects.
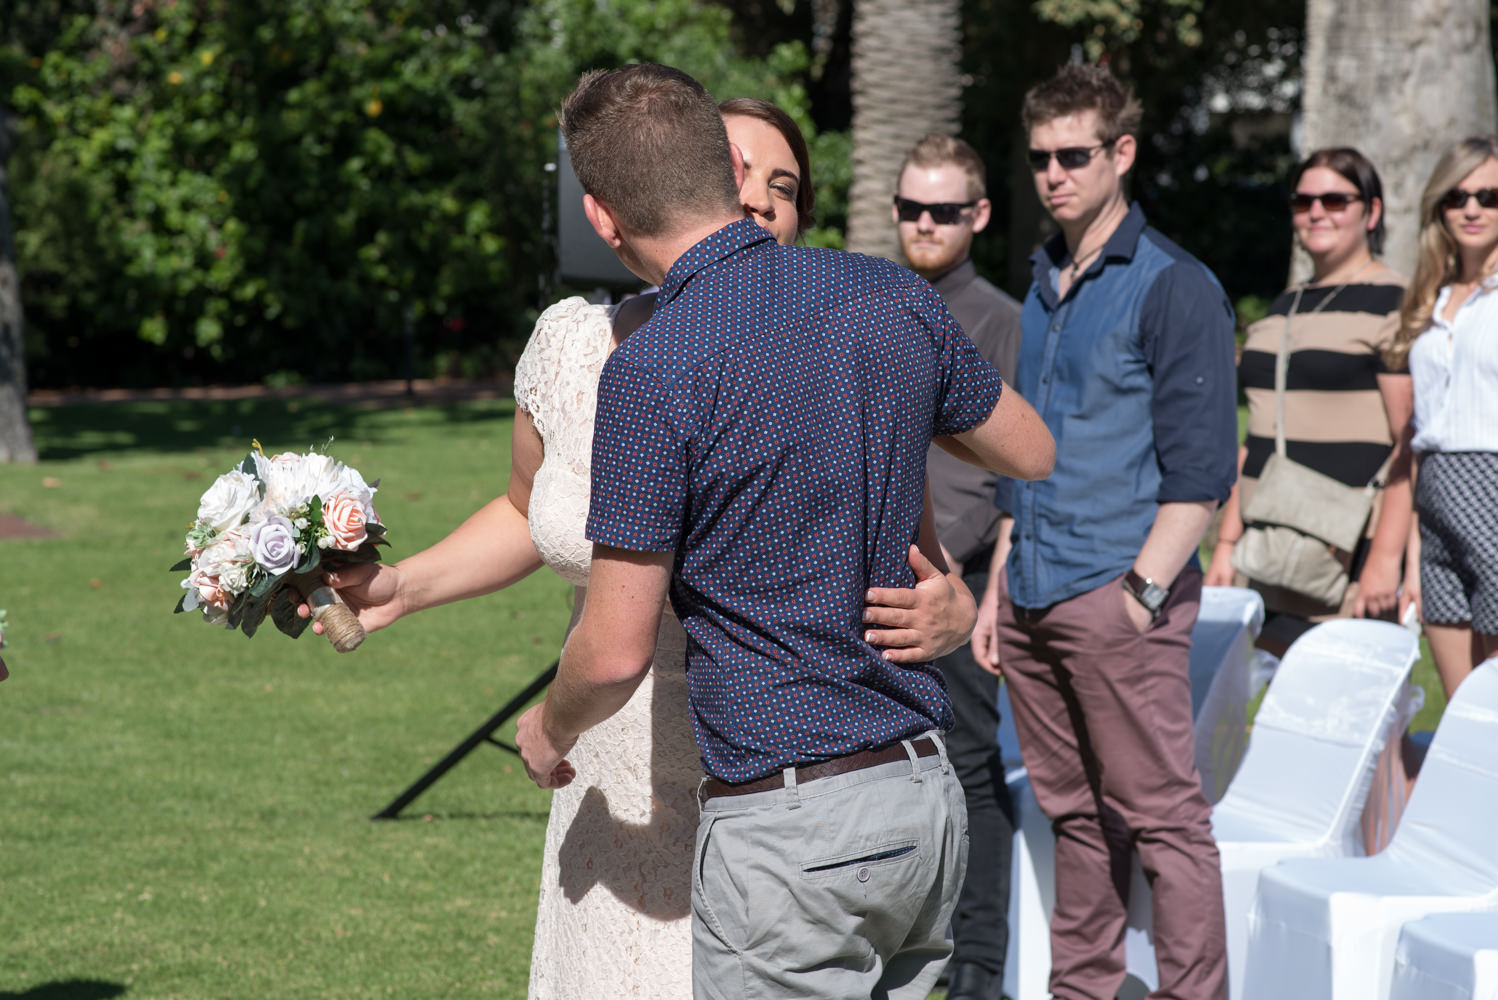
[{"x": 483, "y": 734}]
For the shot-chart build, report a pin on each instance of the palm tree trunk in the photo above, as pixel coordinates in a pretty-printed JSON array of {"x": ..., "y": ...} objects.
[
  {"x": 1401, "y": 80},
  {"x": 15, "y": 432},
  {"x": 907, "y": 81}
]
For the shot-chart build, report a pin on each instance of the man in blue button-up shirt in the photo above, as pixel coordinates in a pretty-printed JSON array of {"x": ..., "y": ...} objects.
[{"x": 1127, "y": 353}]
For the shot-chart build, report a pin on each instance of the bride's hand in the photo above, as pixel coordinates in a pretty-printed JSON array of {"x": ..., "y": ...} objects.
[
  {"x": 371, "y": 590},
  {"x": 922, "y": 623}
]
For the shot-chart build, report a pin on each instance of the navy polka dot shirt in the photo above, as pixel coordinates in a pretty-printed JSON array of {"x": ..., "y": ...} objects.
[{"x": 770, "y": 426}]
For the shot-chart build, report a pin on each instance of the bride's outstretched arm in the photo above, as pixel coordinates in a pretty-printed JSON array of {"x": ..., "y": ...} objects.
[{"x": 487, "y": 552}]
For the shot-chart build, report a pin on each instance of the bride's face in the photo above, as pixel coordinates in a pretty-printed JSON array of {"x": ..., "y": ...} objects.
[{"x": 771, "y": 178}]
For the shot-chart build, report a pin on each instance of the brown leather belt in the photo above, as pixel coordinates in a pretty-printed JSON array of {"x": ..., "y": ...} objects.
[{"x": 924, "y": 747}]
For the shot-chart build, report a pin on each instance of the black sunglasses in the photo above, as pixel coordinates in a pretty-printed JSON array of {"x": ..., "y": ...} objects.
[
  {"x": 1332, "y": 201},
  {"x": 1070, "y": 157},
  {"x": 1457, "y": 198},
  {"x": 943, "y": 213}
]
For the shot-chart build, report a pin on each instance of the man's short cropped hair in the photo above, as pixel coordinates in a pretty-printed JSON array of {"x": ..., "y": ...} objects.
[
  {"x": 938, "y": 151},
  {"x": 1076, "y": 88},
  {"x": 648, "y": 142}
]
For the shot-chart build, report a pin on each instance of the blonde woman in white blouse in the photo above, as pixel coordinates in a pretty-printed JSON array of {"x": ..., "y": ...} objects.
[{"x": 1449, "y": 333}]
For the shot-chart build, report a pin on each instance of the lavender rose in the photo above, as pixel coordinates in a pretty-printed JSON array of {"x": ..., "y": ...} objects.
[{"x": 274, "y": 545}]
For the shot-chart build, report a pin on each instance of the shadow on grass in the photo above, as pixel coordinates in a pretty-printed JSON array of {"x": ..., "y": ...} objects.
[
  {"x": 413, "y": 814},
  {"x": 84, "y": 429},
  {"x": 69, "y": 989}
]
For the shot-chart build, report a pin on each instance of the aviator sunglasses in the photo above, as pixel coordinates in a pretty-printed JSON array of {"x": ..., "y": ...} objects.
[
  {"x": 1332, "y": 201},
  {"x": 943, "y": 213},
  {"x": 1070, "y": 157},
  {"x": 1457, "y": 198}
]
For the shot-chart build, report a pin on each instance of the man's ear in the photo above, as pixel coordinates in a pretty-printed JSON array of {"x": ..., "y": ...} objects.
[
  {"x": 1124, "y": 148},
  {"x": 736, "y": 156},
  {"x": 602, "y": 220},
  {"x": 982, "y": 212}
]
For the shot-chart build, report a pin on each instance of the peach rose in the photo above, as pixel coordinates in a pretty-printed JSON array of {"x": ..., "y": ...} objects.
[{"x": 344, "y": 516}]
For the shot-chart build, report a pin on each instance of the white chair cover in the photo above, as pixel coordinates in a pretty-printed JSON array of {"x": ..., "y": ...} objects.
[
  {"x": 1316, "y": 741},
  {"x": 1327, "y": 927},
  {"x": 1223, "y": 682},
  {"x": 1450, "y": 956}
]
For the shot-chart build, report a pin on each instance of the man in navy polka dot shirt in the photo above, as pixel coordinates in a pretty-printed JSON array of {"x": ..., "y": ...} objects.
[{"x": 759, "y": 454}]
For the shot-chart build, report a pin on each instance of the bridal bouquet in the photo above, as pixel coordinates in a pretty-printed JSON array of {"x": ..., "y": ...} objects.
[{"x": 271, "y": 522}]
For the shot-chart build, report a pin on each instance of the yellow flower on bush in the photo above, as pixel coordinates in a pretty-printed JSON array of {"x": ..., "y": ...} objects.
[
  {"x": 372, "y": 108},
  {"x": 174, "y": 78},
  {"x": 206, "y": 58}
]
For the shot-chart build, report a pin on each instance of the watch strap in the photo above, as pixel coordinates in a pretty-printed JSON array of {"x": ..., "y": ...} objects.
[{"x": 1146, "y": 592}]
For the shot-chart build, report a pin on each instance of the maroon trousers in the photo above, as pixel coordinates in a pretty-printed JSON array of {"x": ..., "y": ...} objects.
[{"x": 1103, "y": 714}]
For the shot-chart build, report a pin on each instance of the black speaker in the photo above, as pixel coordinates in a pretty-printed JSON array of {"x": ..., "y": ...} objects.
[{"x": 583, "y": 257}]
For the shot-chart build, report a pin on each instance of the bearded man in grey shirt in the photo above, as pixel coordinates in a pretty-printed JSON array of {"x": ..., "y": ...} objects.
[{"x": 940, "y": 205}]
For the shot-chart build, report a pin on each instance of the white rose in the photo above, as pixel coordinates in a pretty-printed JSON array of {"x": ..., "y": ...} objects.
[{"x": 228, "y": 500}]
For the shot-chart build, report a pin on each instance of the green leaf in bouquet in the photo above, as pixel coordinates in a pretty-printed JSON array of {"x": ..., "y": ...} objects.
[
  {"x": 365, "y": 553},
  {"x": 248, "y": 465},
  {"x": 264, "y": 582},
  {"x": 237, "y": 609},
  {"x": 283, "y": 612},
  {"x": 376, "y": 531},
  {"x": 310, "y": 561},
  {"x": 184, "y": 564},
  {"x": 254, "y": 613}
]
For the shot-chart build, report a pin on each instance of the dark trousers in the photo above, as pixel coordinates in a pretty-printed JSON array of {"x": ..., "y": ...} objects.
[
  {"x": 980, "y": 924},
  {"x": 1103, "y": 714}
]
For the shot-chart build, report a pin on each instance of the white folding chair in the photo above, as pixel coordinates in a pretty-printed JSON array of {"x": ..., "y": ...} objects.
[
  {"x": 1316, "y": 740},
  {"x": 1327, "y": 927},
  {"x": 1222, "y": 685},
  {"x": 1449, "y": 956}
]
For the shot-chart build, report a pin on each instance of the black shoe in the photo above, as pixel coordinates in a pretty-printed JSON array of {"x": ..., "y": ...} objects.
[{"x": 973, "y": 982}]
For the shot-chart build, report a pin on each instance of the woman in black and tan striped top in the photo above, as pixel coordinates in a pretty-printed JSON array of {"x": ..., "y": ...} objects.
[{"x": 1346, "y": 415}]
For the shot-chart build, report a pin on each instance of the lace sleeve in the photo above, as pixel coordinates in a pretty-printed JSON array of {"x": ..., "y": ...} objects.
[{"x": 543, "y": 363}]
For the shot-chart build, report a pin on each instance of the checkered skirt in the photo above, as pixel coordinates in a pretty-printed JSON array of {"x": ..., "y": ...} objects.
[{"x": 1456, "y": 496}]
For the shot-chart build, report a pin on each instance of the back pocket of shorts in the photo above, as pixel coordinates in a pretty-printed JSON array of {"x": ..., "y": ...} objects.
[{"x": 823, "y": 867}]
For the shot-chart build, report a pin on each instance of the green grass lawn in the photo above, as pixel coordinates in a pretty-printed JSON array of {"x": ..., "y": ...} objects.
[{"x": 184, "y": 812}]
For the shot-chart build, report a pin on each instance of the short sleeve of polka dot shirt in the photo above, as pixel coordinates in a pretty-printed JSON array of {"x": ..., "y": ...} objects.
[{"x": 770, "y": 425}]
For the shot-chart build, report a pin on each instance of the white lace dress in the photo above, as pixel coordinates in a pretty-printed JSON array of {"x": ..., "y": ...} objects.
[{"x": 614, "y": 918}]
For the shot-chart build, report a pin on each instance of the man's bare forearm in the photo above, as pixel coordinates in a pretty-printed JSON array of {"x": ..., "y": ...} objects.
[{"x": 1174, "y": 538}]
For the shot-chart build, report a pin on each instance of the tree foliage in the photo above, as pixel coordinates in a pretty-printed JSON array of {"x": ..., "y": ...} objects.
[{"x": 228, "y": 190}]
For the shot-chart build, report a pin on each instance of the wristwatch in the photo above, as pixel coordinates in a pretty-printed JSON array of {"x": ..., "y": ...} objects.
[{"x": 1146, "y": 592}]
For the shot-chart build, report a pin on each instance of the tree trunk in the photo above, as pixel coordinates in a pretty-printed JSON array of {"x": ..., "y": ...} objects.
[
  {"x": 1401, "y": 80},
  {"x": 15, "y": 432},
  {"x": 907, "y": 81}
]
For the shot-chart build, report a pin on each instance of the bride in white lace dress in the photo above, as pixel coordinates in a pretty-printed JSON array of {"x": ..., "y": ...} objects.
[{"x": 615, "y": 905}]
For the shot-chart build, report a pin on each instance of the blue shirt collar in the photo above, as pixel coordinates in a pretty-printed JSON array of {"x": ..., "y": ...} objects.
[
  {"x": 726, "y": 242},
  {"x": 1120, "y": 247}
]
